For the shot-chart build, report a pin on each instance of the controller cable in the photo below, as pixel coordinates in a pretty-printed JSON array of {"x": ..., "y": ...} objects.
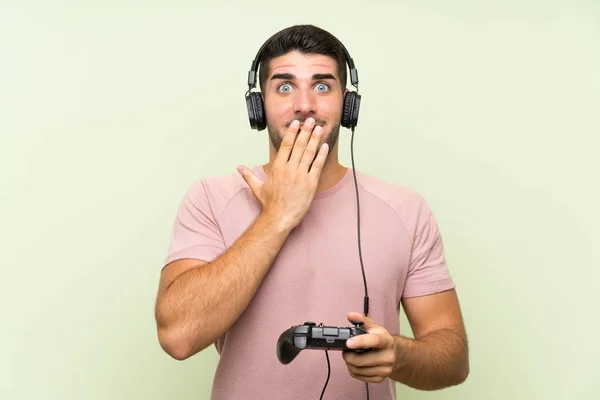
[{"x": 366, "y": 299}]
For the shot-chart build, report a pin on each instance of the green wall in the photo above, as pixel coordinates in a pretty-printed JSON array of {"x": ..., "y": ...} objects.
[{"x": 109, "y": 110}]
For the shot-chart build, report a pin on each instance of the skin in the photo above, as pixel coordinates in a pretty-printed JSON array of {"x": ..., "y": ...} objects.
[
  {"x": 303, "y": 160},
  {"x": 438, "y": 356},
  {"x": 435, "y": 359},
  {"x": 305, "y": 93},
  {"x": 188, "y": 322}
]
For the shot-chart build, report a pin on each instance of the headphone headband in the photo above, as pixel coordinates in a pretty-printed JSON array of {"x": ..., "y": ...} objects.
[{"x": 254, "y": 67}]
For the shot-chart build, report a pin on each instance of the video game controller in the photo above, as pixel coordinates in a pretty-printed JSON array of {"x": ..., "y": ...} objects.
[{"x": 319, "y": 337}]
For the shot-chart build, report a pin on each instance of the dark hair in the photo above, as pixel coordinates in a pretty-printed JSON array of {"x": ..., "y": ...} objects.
[{"x": 307, "y": 39}]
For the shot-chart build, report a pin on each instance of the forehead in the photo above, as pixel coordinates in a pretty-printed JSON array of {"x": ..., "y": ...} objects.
[{"x": 303, "y": 65}]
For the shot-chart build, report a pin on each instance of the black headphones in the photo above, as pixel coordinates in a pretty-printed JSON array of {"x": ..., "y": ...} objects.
[{"x": 254, "y": 103}]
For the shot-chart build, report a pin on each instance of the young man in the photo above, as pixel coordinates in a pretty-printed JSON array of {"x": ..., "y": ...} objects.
[{"x": 260, "y": 250}]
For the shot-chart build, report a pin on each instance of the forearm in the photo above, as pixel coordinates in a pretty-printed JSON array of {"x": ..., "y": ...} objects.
[
  {"x": 435, "y": 361},
  {"x": 203, "y": 303}
]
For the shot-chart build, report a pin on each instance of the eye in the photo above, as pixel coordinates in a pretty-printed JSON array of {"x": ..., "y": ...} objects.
[
  {"x": 285, "y": 88},
  {"x": 322, "y": 87}
]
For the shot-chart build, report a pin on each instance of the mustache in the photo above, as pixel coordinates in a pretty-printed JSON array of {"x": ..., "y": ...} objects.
[{"x": 318, "y": 121}]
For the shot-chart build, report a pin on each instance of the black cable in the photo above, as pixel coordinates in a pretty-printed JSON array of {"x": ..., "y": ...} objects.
[
  {"x": 328, "y": 374},
  {"x": 366, "y": 299}
]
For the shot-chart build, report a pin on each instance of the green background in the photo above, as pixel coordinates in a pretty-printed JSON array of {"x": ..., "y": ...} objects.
[{"x": 109, "y": 110}]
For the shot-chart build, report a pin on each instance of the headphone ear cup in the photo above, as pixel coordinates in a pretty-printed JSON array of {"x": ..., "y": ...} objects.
[
  {"x": 261, "y": 118},
  {"x": 256, "y": 113},
  {"x": 351, "y": 109}
]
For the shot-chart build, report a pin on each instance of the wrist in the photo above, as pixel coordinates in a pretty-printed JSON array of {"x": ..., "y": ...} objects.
[
  {"x": 403, "y": 347},
  {"x": 275, "y": 222}
]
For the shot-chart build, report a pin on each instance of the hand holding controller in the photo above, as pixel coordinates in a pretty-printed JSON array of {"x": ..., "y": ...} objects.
[{"x": 319, "y": 337}]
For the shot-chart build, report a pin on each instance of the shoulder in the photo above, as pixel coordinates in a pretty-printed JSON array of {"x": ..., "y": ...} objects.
[
  {"x": 407, "y": 203},
  {"x": 217, "y": 190},
  {"x": 395, "y": 195}
]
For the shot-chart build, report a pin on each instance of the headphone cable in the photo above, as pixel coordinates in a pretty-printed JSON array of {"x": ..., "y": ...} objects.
[
  {"x": 366, "y": 299},
  {"x": 328, "y": 374}
]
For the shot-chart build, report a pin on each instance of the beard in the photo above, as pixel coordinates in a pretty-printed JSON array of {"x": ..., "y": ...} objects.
[{"x": 276, "y": 138}]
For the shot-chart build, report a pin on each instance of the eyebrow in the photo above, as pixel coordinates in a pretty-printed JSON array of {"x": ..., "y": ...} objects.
[{"x": 290, "y": 77}]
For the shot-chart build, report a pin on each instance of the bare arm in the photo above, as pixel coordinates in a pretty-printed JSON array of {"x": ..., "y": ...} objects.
[
  {"x": 198, "y": 302},
  {"x": 438, "y": 355}
]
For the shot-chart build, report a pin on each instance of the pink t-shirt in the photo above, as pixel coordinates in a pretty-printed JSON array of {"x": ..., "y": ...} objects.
[{"x": 316, "y": 277}]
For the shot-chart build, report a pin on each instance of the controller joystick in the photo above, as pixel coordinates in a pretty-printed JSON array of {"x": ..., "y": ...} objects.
[{"x": 318, "y": 337}]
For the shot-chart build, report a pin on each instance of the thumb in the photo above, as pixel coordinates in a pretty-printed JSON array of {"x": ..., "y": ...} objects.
[
  {"x": 360, "y": 317},
  {"x": 250, "y": 178}
]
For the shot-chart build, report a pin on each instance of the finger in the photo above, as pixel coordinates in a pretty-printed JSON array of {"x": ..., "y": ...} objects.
[
  {"x": 369, "y": 359},
  {"x": 311, "y": 149},
  {"x": 250, "y": 178},
  {"x": 302, "y": 141},
  {"x": 287, "y": 145},
  {"x": 360, "y": 360},
  {"x": 368, "y": 371},
  {"x": 366, "y": 341},
  {"x": 319, "y": 162},
  {"x": 356, "y": 316},
  {"x": 371, "y": 374}
]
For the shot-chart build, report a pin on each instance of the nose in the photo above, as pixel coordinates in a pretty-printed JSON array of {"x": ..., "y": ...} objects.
[{"x": 305, "y": 102}]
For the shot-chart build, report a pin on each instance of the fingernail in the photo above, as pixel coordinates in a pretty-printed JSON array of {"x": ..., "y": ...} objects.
[{"x": 350, "y": 343}]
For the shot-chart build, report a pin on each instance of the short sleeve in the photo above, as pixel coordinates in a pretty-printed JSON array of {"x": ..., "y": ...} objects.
[
  {"x": 195, "y": 233},
  {"x": 428, "y": 271}
]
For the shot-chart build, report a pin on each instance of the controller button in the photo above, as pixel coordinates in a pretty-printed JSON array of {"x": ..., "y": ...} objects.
[
  {"x": 330, "y": 331},
  {"x": 300, "y": 342},
  {"x": 301, "y": 330}
]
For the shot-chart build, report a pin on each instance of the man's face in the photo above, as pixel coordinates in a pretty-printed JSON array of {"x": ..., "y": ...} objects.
[{"x": 301, "y": 86}]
